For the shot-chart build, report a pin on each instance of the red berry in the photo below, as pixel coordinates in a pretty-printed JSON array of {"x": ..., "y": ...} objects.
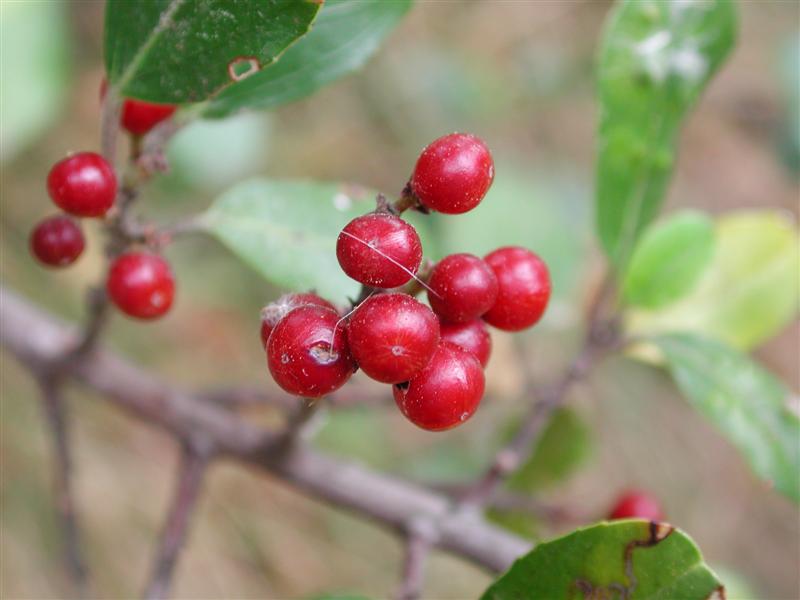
[
  {"x": 83, "y": 184},
  {"x": 307, "y": 352},
  {"x": 273, "y": 312},
  {"x": 524, "y": 288},
  {"x": 453, "y": 173},
  {"x": 446, "y": 393},
  {"x": 473, "y": 337},
  {"x": 392, "y": 336},
  {"x": 139, "y": 117},
  {"x": 637, "y": 505},
  {"x": 141, "y": 285},
  {"x": 379, "y": 250},
  {"x": 461, "y": 287},
  {"x": 57, "y": 241}
]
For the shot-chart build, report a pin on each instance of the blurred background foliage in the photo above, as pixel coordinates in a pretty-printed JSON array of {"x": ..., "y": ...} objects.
[{"x": 520, "y": 75}]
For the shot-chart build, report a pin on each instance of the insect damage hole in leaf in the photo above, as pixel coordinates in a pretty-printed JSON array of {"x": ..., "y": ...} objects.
[{"x": 243, "y": 67}]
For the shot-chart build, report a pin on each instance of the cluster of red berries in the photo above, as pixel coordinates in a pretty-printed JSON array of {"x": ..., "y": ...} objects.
[
  {"x": 85, "y": 185},
  {"x": 433, "y": 357}
]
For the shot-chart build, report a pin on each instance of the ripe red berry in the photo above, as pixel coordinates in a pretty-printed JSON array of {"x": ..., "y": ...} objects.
[
  {"x": 461, "y": 287},
  {"x": 139, "y": 117},
  {"x": 453, "y": 173},
  {"x": 379, "y": 250},
  {"x": 447, "y": 391},
  {"x": 472, "y": 336},
  {"x": 307, "y": 352},
  {"x": 392, "y": 336},
  {"x": 524, "y": 288},
  {"x": 637, "y": 505},
  {"x": 273, "y": 312},
  {"x": 141, "y": 285},
  {"x": 57, "y": 241},
  {"x": 83, "y": 184}
]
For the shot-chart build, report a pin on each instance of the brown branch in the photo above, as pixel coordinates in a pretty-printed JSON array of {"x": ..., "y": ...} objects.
[
  {"x": 194, "y": 461},
  {"x": 36, "y": 338},
  {"x": 56, "y": 417}
]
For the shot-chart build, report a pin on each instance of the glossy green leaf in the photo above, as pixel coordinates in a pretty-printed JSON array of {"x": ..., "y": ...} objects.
[
  {"x": 345, "y": 34},
  {"x": 668, "y": 260},
  {"x": 746, "y": 403},
  {"x": 563, "y": 447},
  {"x": 635, "y": 560},
  {"x": 287, "y": 230},
  {"x": 179, "y": 51},
  {"x": 656, "y": 59},
  {"x": 34, "y": 62},
  {"x": 749, "y": 292}
]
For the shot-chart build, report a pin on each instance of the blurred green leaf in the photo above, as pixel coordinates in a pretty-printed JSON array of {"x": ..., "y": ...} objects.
[
  {"x": 626, "y": 559},
  {"x": 655, "y": 60},
  {"x": 345, "y": 34},
  {"x": 533, "y": 211},
  {"x": 745, "y": 402},
  {"x": 174, "y": 51},
  {"x": 789, "y": 127},
  {"x": 737, "y": 586},
  {"x": 34, "y": 61},
  {"x": 358, "y": 433},
  {"x": 749, "y": 292},
  {"x": 339, "y": 597},
  {"x": 212, "y": 155},
  {"x": 563, "y": 447},
  {"x": 669, "y": 259},
  {"x": 287, "y": 230}
]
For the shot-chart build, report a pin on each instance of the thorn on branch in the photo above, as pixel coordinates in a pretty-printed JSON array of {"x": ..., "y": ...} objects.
[
  {"x": 194, "y": 461},
  {"x": 421, "y": 537},
  {"x": 56, "y": 416}
]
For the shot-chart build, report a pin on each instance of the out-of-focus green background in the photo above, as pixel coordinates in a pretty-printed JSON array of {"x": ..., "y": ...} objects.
[{"x": 519, "y": 74}]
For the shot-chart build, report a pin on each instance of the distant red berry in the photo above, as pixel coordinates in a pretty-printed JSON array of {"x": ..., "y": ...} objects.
[
  {"x": 447, "y": 391},
  {"x": 138, "y": 117},
  {"x": 392, "y": 336},
  {"x": 473, "y": 336},
  {"x": 307, "y": 352},
  {"x": 273, "y": 312},
  {"x": 141, "y": 285},
  {"x": 453, "y": 173},
  {"x": 57, "y": 241},
  {"x": 83, "y": 185},
  {"x": 524, "y": 288},
  {"x": 379, "y": 250},
  {"x": 637, "y": 505},
  {"x": 461, "y": 288}
]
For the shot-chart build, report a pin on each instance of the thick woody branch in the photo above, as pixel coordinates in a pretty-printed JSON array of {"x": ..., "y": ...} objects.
[{"x": 37, "y": 338}]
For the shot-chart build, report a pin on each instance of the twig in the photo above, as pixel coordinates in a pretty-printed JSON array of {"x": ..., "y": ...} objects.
[
  {"x": 56, "y": 416},
  {"x": 194, "y": 462},
  {"x": 601, "y": 336},
  {"x": 37, "y": 338},
  {"x": 418, "y": 545}
]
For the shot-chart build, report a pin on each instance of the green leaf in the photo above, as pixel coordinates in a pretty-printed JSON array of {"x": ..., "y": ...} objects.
[
  {"x": 564, "y": 445},
  {"x": 749, "y": 292},
  {"x": 34, "y": 61},
  {"x": 633, "y": 559},
  {"x": 287, "y": 230},
  {"x": 743, "y": 401},
  {"x": 669, "y": 260},
  {"x": 178, "y": 51},
  {"x": 656, "y": 59},
  {"x": 345, "y": 34}
]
